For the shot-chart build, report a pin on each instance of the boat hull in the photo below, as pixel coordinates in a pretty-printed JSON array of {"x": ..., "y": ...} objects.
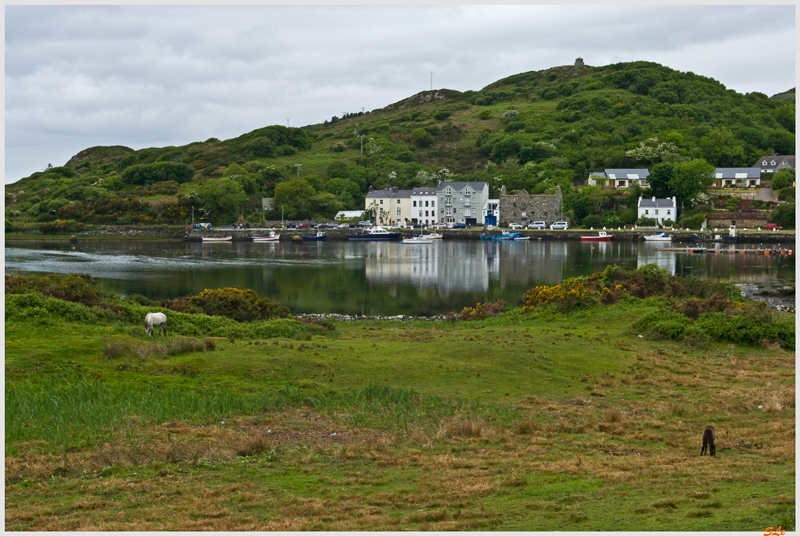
[
  {"x": 214, "y": 239},
  {"x": 658, "y": 239},
  {"x": 595, "y": 238},
  {"x": 389, "y": 237},
  {"x": 418, "y": 241},
  {"x": 314, "y": 238}
]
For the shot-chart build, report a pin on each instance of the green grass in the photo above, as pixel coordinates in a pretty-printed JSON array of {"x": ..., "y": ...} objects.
[{"x": 551, "y": 421}]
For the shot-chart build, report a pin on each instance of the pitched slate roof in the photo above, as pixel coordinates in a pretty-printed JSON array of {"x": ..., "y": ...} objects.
[
  {"x": 622, "y": 173},
  {"x": 388, "y": 193},
  {"x": 460, "y": 185},
  {"x": 778, "y": 159},
  {"x": 730, "y": 172},
  {"x": 420, "y": 190},
  {"x": 658, "y": 203}
]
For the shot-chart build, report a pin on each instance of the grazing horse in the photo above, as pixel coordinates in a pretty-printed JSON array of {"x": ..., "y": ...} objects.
[
  {"x": 159, "y": 320},
  {"x": 708, "y": 442}
]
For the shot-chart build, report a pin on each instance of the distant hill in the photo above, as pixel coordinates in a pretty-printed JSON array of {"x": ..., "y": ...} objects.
[
  {"x": 532, "y": 130},
  {"x": 787, "y": 97}
]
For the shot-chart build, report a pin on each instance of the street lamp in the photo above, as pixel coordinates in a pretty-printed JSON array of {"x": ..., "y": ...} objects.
[{"x": 298, "y": 166}]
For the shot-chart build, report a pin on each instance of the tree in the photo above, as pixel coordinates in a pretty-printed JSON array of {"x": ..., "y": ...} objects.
[
  {"x": 691, "y": 178},
  {"x": 222, "y": 198},
  {"x": 659, "y": 180},
  {"x": 421, "y": 138},
  {"x": 296, "y": 196},
  {"x": 783, "y": 178}
]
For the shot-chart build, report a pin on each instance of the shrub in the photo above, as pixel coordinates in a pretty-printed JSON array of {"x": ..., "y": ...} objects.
[
  {"x": 570, "y": 294},
  {"x": 485, "y": 114},
  {"x": 79, "y": 288},
  {"x": 421, "y": 138},
  {"x": 441, "y": 115},
  {"x": 242, "y": 305},
  {"x": 482, "y": 310}
]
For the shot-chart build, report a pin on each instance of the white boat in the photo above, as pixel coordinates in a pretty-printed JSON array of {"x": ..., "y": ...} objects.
[
  {"x": 659, "y": 237},
  {"x": 217, "y": 238},
  {"x": 418, "y": 240},
  {"x": 432, "y": 236},
  {"x": 271, "y": 238},
  {"x": 523, "y": 238}
]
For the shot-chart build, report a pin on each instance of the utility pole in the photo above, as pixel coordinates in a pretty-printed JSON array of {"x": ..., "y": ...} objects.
[
  {"x": 281, "y": 215},
  {"x": 298, "y": 166},
  {"x": 362, "y": 145},
  {"x": 431, "y": 80}
]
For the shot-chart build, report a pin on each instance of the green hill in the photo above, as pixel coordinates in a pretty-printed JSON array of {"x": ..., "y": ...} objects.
[{"x": 533, "y": 130}]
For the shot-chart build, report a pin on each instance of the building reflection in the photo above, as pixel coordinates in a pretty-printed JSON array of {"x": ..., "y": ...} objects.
[
  {"x": 456, "y": 266},
  {"x": 655, "y": 253}
]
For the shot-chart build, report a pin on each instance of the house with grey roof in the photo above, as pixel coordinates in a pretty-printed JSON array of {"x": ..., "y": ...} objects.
[
  {"x": 771, "y": 164},
  {"x": 390, "y": 206},
  {"x": 658, "y": 209},
  {"x": 619, "y": 178},
  {"x": 462, "y": 202},
  {"x": 737, "y": 177},
  {"x": 424, "y": 205}
]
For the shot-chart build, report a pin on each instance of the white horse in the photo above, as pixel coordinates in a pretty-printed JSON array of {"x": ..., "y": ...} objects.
[{"x": 159, "y": 320}]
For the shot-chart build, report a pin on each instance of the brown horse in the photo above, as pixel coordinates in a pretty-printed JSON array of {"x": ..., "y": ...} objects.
[{"x": 708, "y": 442}]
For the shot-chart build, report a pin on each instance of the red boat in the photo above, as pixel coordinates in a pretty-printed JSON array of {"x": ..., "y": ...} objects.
[{"x": 602, "y": 237}]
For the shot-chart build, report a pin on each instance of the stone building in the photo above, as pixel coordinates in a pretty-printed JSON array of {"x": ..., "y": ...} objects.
[
  {"x": 522, "y": 207},
  {"x": 742, "y": 220}
]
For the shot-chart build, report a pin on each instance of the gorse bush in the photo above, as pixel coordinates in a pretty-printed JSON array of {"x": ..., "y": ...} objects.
[
  {"x": 79, "y": 288},
  {"x": 482, "y": 311},
  {"x": 242, "y": 305}
]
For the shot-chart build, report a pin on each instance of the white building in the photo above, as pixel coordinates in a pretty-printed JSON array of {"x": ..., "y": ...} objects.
[
  {"x": 348, "y": 215},
  {"x": 619, "y": 178},
  {"x": 737, "y": 177},
  {"x": 423, "y": 205},
  {"x": 659, "y": 209}
]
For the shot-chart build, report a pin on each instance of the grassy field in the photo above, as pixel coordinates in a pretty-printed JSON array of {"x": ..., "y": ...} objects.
[{"x": 545, "y": 421}]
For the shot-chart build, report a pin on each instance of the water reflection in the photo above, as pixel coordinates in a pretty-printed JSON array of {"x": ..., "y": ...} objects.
[{"x": 375, "y": 278}]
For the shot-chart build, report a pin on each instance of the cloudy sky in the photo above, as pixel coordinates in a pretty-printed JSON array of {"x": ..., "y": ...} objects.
[{"x": 152, "y": 76}]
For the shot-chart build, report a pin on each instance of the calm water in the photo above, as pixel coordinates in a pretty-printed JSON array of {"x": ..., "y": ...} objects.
[{"x": 375, "y": 278}]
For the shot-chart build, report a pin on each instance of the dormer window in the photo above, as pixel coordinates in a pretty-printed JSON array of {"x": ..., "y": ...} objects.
[
  {"x": 764, "y": 163},
  {"x": 772, "y": 163}
]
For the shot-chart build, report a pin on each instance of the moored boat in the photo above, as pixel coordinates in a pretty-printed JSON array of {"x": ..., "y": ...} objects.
[
  {"x": 418, "y": 240},
  {"x": 601, "y": 237},
  {"x": 320, "y": 236},
  {"x": 508, "y": 236},
  {"x": 658, "y": 237},
  {"x": 374, "y": 234},
  {"x": 217, "y": 238},
  {"x": 271, "y": 238}
]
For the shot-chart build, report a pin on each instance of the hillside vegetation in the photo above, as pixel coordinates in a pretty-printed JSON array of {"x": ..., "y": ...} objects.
[{"x": 533, "y": 130}]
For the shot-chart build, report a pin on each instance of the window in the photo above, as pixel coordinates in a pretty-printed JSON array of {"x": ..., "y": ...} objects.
[
  {"x": 633, "y": 176},
  {"x": 741, "y": 175},
  {"x": 772, "y": 163},
  {"x": 398, "y": 201},
  {"x": 449, "y": 211},
  {"x": 381, "y": 201},
  {"x": 426, "y": 203},
  {"x": 719, "y": 175},
  {"x": 398, "y": 211},
  {"x": 764, "y": 163},
  {"x": 646, "y": 212},
  {"x": 413, "y": 203},
  {"x": 433, "y": 203}
]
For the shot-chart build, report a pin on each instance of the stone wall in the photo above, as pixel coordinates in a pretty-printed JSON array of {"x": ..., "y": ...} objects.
[{"x": 522, "y": 207}]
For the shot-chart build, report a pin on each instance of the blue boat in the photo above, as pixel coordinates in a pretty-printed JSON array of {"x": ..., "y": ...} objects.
[{"x": 315, "y": 238}]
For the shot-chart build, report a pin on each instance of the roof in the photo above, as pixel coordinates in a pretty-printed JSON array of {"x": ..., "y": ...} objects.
[
  {"x": 730, "y": 172},
  {"x": 388, "y": 193},
  {"x": 622, "y": 173},
  {"x": 669, "y": 202},
  {"x": 786, "y": 159},
  {"x": 430, "y": 190},
  {"x": 458, "y": 185}
]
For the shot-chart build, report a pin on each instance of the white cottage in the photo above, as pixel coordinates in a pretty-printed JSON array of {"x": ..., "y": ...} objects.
[{"x": 659, "y": 209}]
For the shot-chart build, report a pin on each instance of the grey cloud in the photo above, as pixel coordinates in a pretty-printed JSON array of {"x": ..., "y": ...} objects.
[{"x": 143, "y": 76}]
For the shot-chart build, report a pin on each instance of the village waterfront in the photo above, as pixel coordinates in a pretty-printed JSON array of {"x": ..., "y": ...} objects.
[{"x": 378, "y": 278}]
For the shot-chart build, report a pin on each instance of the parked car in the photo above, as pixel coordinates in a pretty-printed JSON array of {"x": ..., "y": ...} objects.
[
  {"x": 773, "y": 227},
  {"x": 537, "y": 225},
  {"x": 459, "y": 226},
  {"x": 292, "y": 225},
  {"x": 365, "y": 224},
  {"x": 559, "y": 225},
  {"x": 326, "y": 226},
  {"x": 304, "y": 226},
  {"x": 438, "y": 226},
  {"x": 344, "y": 226},
  {"x": 515, "y": 226}
]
